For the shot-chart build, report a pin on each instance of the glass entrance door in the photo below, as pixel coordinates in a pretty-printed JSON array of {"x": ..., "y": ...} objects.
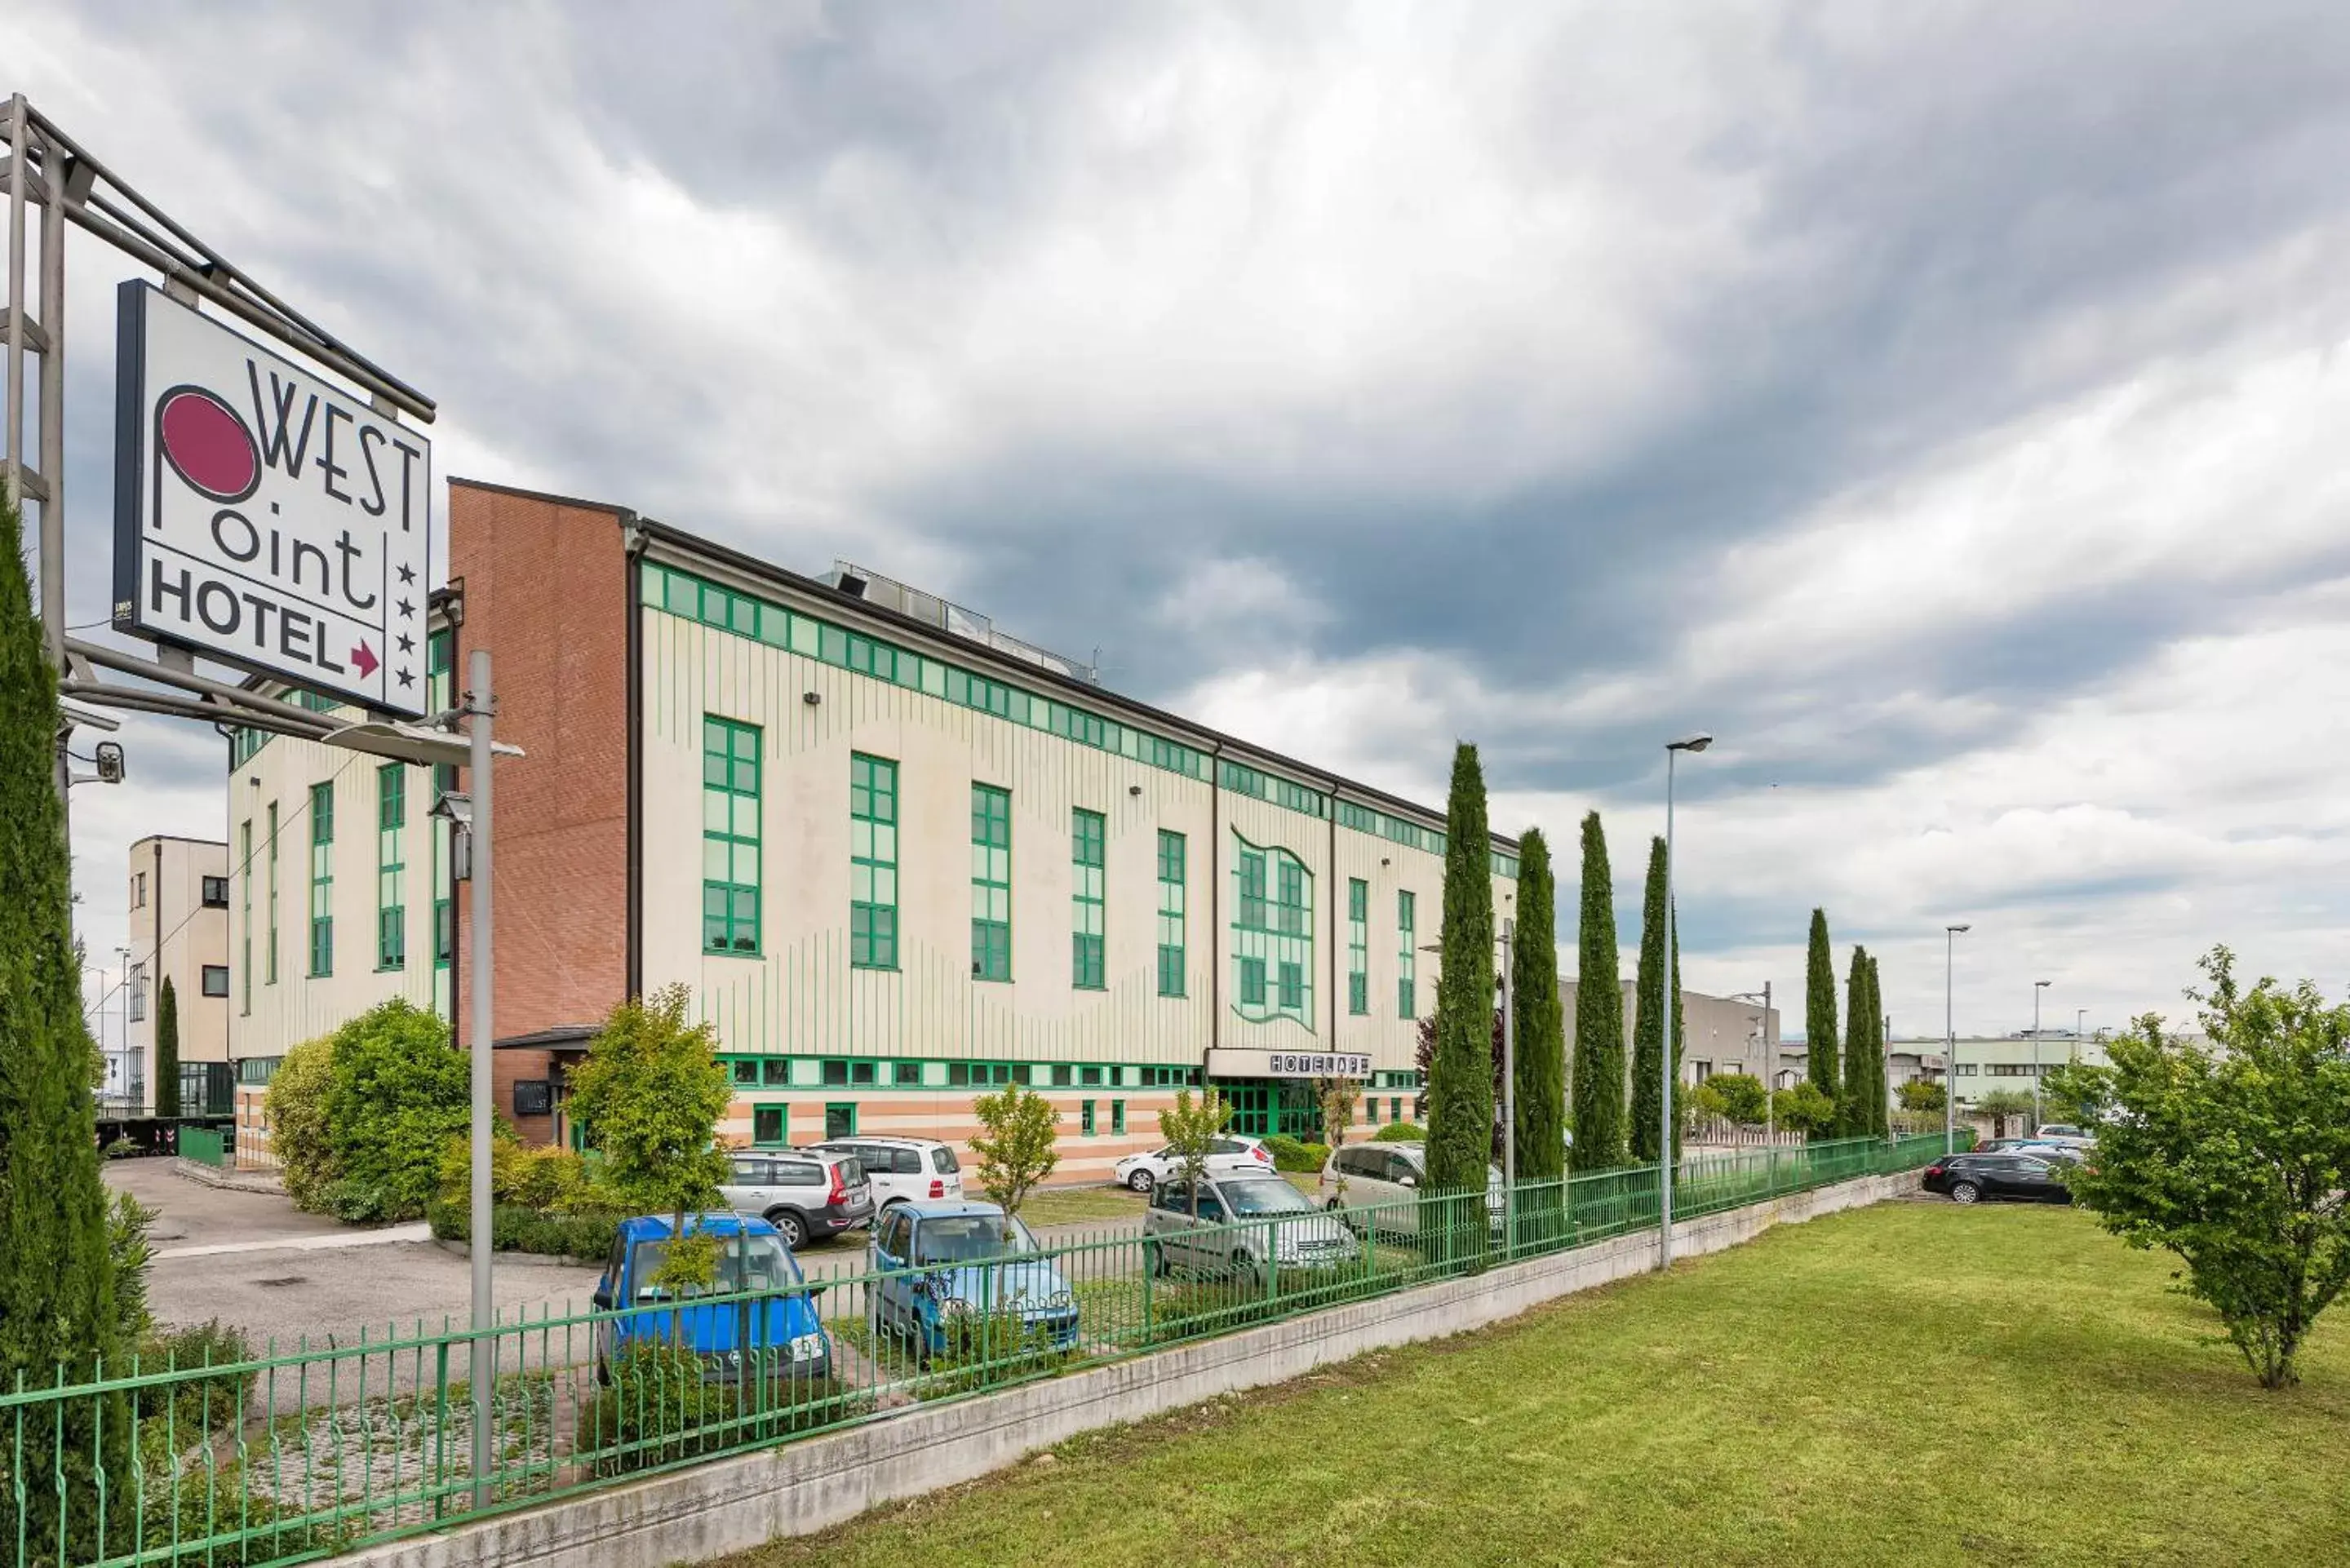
[{"x": 1263, "y": 1107}]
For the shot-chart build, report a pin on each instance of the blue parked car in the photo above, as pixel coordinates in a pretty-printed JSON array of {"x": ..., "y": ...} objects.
[
  {"x": 766, "y": 1305},
  {"x": 952, "y": 1263}
]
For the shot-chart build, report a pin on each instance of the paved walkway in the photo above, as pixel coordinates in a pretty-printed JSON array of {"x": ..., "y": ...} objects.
[{"x": 420, "y": 1231}]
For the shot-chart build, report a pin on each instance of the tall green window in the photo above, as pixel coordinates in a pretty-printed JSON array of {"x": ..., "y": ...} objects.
[
  {"x": 872, "y": 862},
  {"x": 245, "y": 914},
  {"x": 1273, "y": 936},
  {"x": 1359, "y": 946},
  {"x": 1406, "y": 958},
  {"x": 990, "y": 882},
  {"x": 270, "y": 957},
  {"x": 1087, "y": 836},
  {"x": 729, "y": 836},
  {"x": 1172, "y": 904},
  {"x": 322, "y": 878},
  {"x": 390, "y": 867}
]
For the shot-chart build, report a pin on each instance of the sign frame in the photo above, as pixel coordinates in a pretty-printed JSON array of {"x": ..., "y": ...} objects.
[
  {"x": 1242, "y": 1062},
  {"x": 324, "y": 659}
]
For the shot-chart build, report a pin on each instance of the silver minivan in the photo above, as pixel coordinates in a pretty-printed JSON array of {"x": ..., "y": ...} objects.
[
  {"x": 1246, "y": 1226},
  {"x": 1386, "y": 1178},
  {"x": 805, "y": 1194}
]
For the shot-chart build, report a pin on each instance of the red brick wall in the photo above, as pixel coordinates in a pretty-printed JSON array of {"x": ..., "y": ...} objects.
[{"x": 545, "y": 593}]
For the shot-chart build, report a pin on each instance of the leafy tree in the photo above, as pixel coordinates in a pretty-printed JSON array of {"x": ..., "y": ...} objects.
[
  {"x": 2234, "y": 1159},
  {"x": 1017, "y": 1151},
  {"x": 1921, "y": 1096},
  {"x": 2000, "y": 1104},
  {"x": 167, "y": 1051},
  {"x": 1820, "y": 1013},
  {"x": 398, "y": 1093},
  {"x": 1540, "y": 1098},
  {"x": 648, "y": 1095},
  {"x": 1598, "y": 1015},
  {"x": 299, "y": 1129},
  {"x": 1191, "y": 1130},
  {"x": 1424, "y": 1059},
  {"x": 1649, "y": 1019},
  {"x": 57, "y": 1285},
  {"x": 1337, "y": 1098},
  {"x": 1742, "y": 1098},
  {"x": 1804, "y": 1109},
  {"x": 1461, "y": 1075},
  {"x": 2076, "y": 1093}
]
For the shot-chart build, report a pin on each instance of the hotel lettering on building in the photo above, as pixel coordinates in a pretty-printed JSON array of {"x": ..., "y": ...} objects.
[{"x": 895, "y": 867}]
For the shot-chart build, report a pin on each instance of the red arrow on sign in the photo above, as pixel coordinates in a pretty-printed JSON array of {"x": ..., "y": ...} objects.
[{"x": 364, "y": 656}]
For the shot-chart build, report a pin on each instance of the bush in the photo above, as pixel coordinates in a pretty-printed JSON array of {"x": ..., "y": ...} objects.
[
  {"x": 296, "y": 1112},
  {"x": 657, "y": 1407},
  {"x": 356, "y": 1202},
  {"x": 587, "y": 1236},
  {"x": 197, "y": 1409},
  {"x": 397, "y": 1091},
  {"x": 1740, "y": 1095},
  {"x": 1292, "y": 1154},
  {"x": 124, "y": 1146},
  {"x": 1400, "y": 1132}
]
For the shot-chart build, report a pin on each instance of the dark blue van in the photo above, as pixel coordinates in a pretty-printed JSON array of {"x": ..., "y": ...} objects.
[{"x": 761, "y": 1303}]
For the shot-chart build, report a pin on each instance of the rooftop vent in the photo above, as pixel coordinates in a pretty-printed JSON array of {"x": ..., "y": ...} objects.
[{"x": 859, "y": 582}]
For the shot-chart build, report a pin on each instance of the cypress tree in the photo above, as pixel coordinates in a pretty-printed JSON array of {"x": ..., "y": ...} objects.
[
  {"x": 1598, "y": 1015},
  {"x": 1649, "y": 1018},
  {"x": 1541, "y": 1088},
  {"x": 56, "y": 1275},
  {"x": 1460, "y": 1069},
  {"x": 1820, "y": 1013},
  {"x": 167, "y": 1052},
  {"x": 1880, "y": 1121},
  {"x": 1860, "y": 1049}
]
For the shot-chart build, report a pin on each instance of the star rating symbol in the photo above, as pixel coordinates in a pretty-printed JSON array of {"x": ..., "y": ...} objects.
[
  {"x": 407, "y": 643},
  {"x": 406, "y": 679},
  {"x": 407, "y": 576},
  {"x": 407, "y": 609}
]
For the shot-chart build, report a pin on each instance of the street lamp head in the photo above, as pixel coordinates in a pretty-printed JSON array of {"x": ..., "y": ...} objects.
[
  {"x": 2043, "y": 984},
  {"x": 1696, "y": 743},
  {"x": 1958, "y": 929}
]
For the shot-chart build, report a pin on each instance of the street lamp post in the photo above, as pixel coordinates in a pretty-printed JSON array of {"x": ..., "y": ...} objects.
[
  {"x": 1949, "y": 1043},
  {"x": 1665, "y": 999},
  {"x": 1769, "y": 1060},
  {"x": 2079, "y": 1028},
  {"x": 2037, "y": 986}
]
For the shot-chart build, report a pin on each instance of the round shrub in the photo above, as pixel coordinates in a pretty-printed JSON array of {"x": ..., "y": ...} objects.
[
  {"x": 296, "y": 1112},
  {"x": 1294, "y": 1154},
  {"x": 1400, "y": 1132}
]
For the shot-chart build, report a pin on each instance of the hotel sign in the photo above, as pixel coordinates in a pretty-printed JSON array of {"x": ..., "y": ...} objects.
[
  {"x": 1231, "y": 1064},
  {"x": 264, "y": 517}
]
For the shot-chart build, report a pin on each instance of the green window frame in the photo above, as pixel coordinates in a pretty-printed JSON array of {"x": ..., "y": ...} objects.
[
  {"x": 991, "y": 883},
  {"x": 1395, "y": 1110},
  {"x": 1274, "y": 937},
  {"x": 269, "y": 957},
  {"x": 1085, "y": 1119},
  {"x": 1117, "y": 1118},
  {"x": 771, "y": 1125},
  {"x": 840, "y": 1119},
  {"x": 1089, "y": 841},
  {"x": 390, "y": 867},
  {"x": 1359, "y": 946},
  {"x": 322, "y": 879},
  {"x": 1407, "y": 956},
  {"x": 872, "y": 864},
  {"x": 730, "y": 872},
  {"x": 1173, "y": 908},
  {"x": 244, "y": 916}
]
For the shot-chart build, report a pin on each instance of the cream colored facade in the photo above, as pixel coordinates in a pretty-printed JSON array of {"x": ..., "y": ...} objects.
[
  {"x": 277, "y": 996},
  {"x": 176, "y": 934},
  {"x": 800, "y": 995}
]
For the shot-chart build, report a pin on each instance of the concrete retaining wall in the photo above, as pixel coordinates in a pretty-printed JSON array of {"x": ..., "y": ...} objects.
[{"x": 731, "y": 1504}]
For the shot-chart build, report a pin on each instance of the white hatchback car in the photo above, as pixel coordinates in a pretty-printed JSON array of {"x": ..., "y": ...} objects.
[
  {"x": 903, "y": 1169},
  {"x": 1227, "y": 1156}
]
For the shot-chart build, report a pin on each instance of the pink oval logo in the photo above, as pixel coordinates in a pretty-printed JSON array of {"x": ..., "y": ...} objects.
[{"x": 207, "y": 445}]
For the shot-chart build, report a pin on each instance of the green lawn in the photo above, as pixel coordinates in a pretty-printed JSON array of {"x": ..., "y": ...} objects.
[
  {"x": 1914, "y": 1383},
  {"x": 1101, "y": 1205}
]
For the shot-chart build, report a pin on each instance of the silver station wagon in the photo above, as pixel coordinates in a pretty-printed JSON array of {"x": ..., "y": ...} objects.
[{"x": 1247, "y": 1227}]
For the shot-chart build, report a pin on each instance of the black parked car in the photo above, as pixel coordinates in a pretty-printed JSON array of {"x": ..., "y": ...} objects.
[{"x": 1968, "y": 1177}]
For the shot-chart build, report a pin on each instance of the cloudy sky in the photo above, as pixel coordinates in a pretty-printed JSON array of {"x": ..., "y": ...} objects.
[{"x": 1943, "y": 405}]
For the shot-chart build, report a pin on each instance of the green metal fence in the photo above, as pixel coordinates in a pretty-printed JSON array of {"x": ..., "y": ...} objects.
[
  {"x": 304, "y": 1452},
  {"x": 205, "y": 1146}
]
